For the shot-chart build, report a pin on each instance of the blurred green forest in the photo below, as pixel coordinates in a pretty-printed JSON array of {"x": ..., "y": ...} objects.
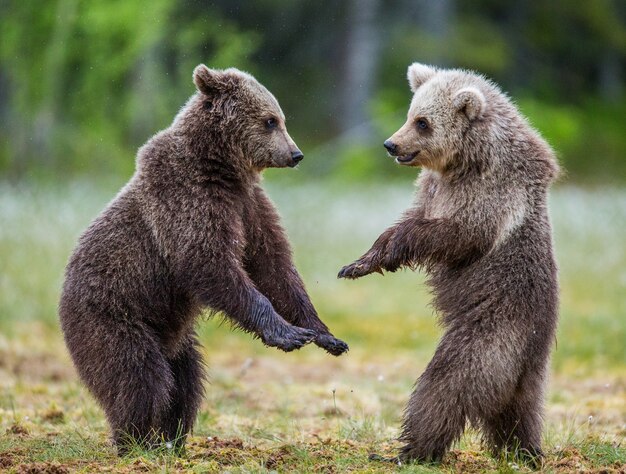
[{"x": 83, "y": 83}]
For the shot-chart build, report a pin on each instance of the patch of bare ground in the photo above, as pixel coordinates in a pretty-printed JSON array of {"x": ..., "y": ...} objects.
[
  {"x": 572, "y": 459},
  {"x": 17, "y": 429},
  {"x": 223, "y": 451},
  {"x": 6, "y": 461},
  {"x": 42, "y": 468},
  {"x": 53, "y": 415}
]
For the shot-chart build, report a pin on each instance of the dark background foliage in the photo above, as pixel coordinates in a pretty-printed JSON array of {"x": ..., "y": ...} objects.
[{"x": 83, "y": 83}]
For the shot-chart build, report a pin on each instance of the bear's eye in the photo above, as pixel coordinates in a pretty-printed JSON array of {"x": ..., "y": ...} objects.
[
  {"x": 271, "y": 123},
  {"x": 208, "y": 105},
  {"x": 422, "y": 124}
]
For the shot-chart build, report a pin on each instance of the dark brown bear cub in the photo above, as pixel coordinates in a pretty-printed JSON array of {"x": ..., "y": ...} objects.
[
  {"x": 480, "y": 229},
  {"x": 192, "y": 229}
]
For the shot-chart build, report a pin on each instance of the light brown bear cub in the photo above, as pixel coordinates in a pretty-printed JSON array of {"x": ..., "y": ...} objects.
[
  {"x": 480, "y": 229},
  {"x": 192, "y": 230}
]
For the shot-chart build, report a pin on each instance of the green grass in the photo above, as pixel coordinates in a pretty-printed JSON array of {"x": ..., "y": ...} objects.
[{"x": 307, "y": 411}]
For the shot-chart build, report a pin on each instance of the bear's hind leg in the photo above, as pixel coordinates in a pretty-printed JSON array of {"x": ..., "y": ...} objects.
[
  {"x": 188, "y": 372},
  {"x": 517, "y": 428},
  {"x": 434, "y": 419},
  {"x": 473, "y": 372},
  {"x": 143, "y": 398},
  {"x": 123, "y": 365}
]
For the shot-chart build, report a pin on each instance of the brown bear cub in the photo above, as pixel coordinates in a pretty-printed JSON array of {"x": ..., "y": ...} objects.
[
  {"x": 193, "y": 229},
  {"x": 479, "y": 227}
]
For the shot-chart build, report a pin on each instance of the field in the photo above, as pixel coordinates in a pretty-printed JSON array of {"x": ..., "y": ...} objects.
[{"x": 307, "y": 411}]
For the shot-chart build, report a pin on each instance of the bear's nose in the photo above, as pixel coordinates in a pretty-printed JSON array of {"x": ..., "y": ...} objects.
[
  {"x": 390, "y": 146},
  {"x": 297, "y": 156}
]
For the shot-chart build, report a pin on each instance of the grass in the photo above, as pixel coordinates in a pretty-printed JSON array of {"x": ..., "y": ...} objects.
[{"x": 309, "y": 412}]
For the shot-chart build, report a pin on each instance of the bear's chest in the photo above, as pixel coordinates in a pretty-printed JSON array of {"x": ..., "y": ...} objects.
[{"x": 439, "y": 201}]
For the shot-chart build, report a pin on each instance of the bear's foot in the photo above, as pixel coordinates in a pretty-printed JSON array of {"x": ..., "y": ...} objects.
[{"x": 358, "y": 269}]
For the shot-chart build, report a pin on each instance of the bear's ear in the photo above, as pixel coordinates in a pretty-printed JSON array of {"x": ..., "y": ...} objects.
[
  {"x": 211, "y": 81},
  {"x": 471, "y": 102},
  {"x": 418, "y": 74}
]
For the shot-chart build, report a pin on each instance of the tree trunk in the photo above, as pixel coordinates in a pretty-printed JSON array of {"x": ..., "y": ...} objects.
[
  {"x": 435, "y": 18},
  {"x": 361, "y": 59},
  {"x": 610, "y": 77}
]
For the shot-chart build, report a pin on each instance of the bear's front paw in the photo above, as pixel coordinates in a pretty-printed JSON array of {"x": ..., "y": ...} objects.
[
  {"x": 358, "y": 269},
  {"x": 289, "y": 338},
  {"x": 331, "y": 344}
]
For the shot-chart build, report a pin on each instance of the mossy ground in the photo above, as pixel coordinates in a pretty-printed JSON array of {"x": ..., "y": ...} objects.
[{"x": 307, "y": 411}]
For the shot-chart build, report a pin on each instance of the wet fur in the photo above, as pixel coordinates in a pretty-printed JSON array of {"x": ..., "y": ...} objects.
[
  {"x": 193, "y": 229},
  {"x": 480, "y": 229}
]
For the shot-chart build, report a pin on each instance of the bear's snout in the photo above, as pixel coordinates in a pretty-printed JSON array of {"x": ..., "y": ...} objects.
[
  {"x": 391, "y": 147},
  {"x": 297, "y": 156}
]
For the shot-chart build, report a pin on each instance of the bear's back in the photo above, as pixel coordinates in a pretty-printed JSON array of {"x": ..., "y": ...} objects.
[{"x": 115, "y": 269}]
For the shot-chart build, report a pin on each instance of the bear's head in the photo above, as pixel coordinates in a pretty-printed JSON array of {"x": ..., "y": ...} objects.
[
  {"x": 241, "y": 118},
  {"x": 445, "y": 104}
]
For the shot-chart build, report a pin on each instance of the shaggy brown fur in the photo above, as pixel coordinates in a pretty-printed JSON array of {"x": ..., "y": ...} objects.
[
  {"x": 480, "y": 229},
  {"x": 192, "y": 229}
]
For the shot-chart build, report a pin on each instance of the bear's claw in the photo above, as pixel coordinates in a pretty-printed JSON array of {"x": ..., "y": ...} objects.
[
  {"x": 352, "y": 271},
  {"x": 363, "y": 266}
]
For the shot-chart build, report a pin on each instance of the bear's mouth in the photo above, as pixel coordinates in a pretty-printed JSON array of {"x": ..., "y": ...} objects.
[{"x": 407, "y": 158}]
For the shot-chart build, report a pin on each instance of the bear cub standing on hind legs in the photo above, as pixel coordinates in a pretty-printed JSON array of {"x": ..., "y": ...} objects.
[
  {"x": 480, "y": 229},
  {"x": 192, "y": 229}
]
